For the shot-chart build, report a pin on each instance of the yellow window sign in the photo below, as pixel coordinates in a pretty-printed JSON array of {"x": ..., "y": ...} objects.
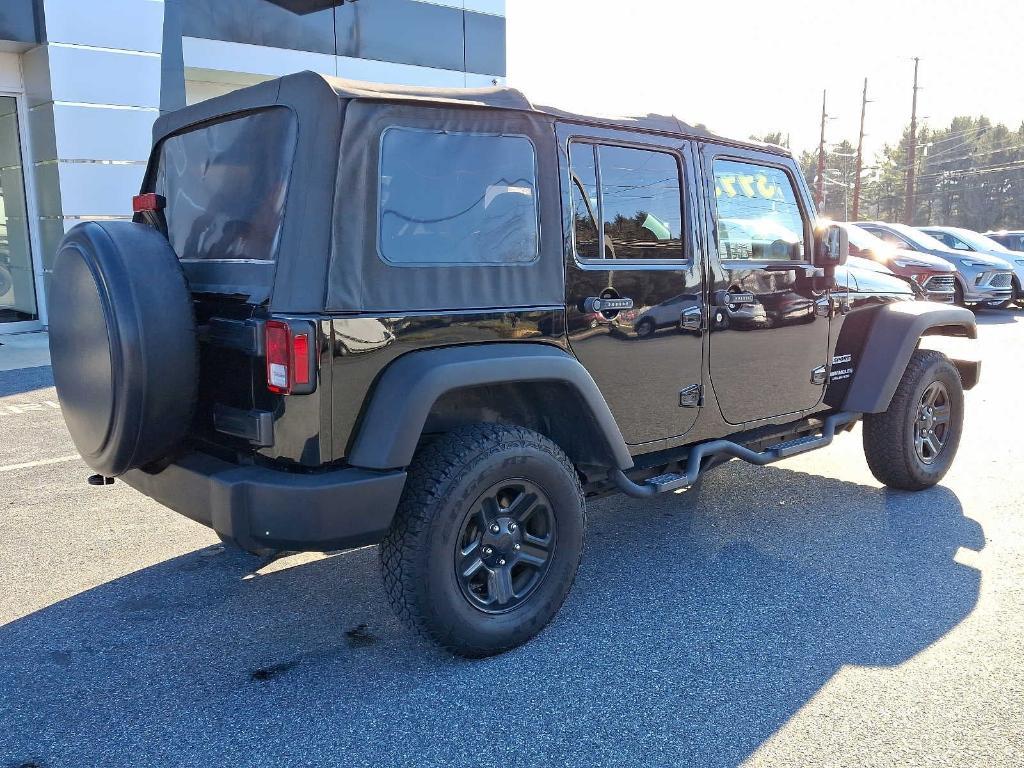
[{"x": 748, "y": 185}]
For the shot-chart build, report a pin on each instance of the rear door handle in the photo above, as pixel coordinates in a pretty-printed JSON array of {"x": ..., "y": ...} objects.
[{"x": 598, "y": 304}]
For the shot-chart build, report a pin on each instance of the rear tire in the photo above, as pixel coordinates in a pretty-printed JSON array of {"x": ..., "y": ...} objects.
[
  {"x": 912, "y": 444},
  {"x": 471, "y": 497}
]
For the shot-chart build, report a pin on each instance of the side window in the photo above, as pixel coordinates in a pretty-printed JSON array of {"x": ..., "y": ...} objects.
[
  {"x": 890, "y": 238},
  {"x": 456, "y": 198},
  {"x": 758, "y": 214},
  {"x": 582, "y": 160},
  {"x": 957, "y": 243},
  {"x": 639, "y": 202}
]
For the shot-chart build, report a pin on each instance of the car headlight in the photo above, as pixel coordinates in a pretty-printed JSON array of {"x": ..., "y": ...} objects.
[
  {"x": 904, "y": 263},
  {"x": 1021, "y": 262},
  {"x": 969, "y": 263}
]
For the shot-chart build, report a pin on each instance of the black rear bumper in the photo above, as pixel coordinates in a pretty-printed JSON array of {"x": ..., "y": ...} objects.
[{"x": 260, "y": 507}]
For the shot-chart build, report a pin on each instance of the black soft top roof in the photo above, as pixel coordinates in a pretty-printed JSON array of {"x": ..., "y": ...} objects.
[
  {"x": 312, "y": 238},
  {"x": 311, "y": 88}
]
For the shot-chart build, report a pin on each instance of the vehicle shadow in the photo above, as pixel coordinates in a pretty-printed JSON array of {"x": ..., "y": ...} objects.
[
  {"x": 22, "y": 380},
  {"x": 699, "y": 624}
]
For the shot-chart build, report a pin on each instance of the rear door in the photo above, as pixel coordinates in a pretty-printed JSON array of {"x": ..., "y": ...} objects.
[
  {"x": 769, "y": 326},
  {"x": 634, "y": 275}
]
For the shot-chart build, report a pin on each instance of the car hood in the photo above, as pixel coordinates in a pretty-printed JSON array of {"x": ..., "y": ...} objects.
[
  {"x": 934, "y": 263},
  {"x": 941, "y": 263},
  {"x": 873, "y": 281},
  {"x": 978, "y": 257}
]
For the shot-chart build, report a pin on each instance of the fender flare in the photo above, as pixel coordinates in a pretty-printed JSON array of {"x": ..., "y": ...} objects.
[
  {"x": 895, "y": 332},
  {"x": 408, "y": 388}
]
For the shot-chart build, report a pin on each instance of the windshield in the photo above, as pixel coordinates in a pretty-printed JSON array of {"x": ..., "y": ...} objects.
[{"x": 918, "y": 238}]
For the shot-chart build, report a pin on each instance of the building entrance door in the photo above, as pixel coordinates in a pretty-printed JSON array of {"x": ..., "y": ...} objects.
[{"x": 18, "y": 307}]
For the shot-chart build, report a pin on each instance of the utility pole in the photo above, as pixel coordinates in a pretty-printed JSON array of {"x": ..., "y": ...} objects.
[
  {"x": 860, "y": 154},
  {"x": 819, "y": 195},
  {"x": 908, "y": 202}
]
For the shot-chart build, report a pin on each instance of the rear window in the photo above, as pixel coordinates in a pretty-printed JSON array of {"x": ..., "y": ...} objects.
[
  {"x": 456, "y": 198},
  {"x": 226, "y": 185}
]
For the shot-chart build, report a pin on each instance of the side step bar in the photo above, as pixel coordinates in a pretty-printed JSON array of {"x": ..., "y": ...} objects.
[{"x": 672, "y": 481}]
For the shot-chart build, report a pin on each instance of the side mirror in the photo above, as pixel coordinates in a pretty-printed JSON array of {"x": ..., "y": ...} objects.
[{"x": 831, "y": 245}]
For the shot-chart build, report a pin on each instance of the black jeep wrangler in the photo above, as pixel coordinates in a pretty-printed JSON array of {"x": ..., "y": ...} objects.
[{"x": 350, "y": 314}]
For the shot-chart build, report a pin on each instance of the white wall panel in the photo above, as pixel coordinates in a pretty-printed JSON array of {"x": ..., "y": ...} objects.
[
  {"x": 133, "y": 25},
  {"x": 218, "y": 55},
  {"x": 494, "y": 7},
  {"x": 10, "y": 72},
  {"x": 254, "y": 59},
  {"x": 87, "y": 132},
  {"x": 97, "y": 76},
  {"x": 87, "y": 189}
]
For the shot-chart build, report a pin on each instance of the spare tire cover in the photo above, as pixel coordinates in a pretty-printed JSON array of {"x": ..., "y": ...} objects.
[{"x": 122, "y": 344}]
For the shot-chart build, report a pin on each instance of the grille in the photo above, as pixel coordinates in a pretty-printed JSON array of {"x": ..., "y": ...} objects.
[
  {"x": 940, "y": 283},
  {"x": 1001, "y": 280}
]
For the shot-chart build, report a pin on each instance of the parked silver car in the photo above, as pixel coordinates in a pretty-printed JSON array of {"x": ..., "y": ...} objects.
[
  {"x": 966, "y": 240},
  {"x": 981, "y": 279}
]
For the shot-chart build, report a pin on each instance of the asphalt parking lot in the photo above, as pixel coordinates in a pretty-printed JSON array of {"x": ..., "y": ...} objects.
[{"x": 796, "y": 614}]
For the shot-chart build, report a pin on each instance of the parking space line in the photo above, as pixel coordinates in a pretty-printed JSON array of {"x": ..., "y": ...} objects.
[{"x": 40, "y": 463}]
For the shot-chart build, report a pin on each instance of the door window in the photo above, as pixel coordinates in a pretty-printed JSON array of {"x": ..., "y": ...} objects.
[
  {"x": 890, "y": 238},
  {"x": 758, "y": 216},
  {"x": 638, "y": 200}
]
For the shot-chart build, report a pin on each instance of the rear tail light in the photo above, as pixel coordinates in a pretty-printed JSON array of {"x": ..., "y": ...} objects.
[{"x": 289, "y": 357}]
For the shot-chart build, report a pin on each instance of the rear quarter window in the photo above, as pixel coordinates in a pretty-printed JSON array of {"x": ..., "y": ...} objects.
[
  {"x": 226, "y": 184},
  {"x": 449, "y": 198}
]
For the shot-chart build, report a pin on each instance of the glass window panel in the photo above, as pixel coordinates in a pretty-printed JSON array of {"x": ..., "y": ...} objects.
[
  {"x": 584, "y": 200},
  {"x": 226, "y": 184},
  {"x": 17, "y": 283},
  {"x": 758, "y": 214},
  {"x": 457, "y": 198},
  {"x": 641, "y": 205}
]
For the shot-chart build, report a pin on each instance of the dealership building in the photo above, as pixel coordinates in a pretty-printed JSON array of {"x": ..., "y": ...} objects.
[{"x": 81, "y": 82}]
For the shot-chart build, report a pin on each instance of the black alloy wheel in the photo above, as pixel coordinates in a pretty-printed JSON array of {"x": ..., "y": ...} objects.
[
  {"x": 505, "y": 546},
  {"x": 932, "y": 426}
]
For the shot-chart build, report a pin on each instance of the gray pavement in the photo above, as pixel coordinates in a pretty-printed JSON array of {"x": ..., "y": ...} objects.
[{"x": 796, "y": 614}]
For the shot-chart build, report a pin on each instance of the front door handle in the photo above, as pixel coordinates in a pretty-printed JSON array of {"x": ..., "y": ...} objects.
[
  {"x": 734, "y": 298},
  {"x": 599, "y": 304},
  {"x": 691, "y": 319}
]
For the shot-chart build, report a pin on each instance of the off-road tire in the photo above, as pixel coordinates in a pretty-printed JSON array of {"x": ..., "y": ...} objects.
[
  {"x": 445, "y": 480},
  {"x": 889, "y": 437}
]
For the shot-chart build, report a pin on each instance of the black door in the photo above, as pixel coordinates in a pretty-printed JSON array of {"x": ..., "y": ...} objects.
[
  {"x": 769, "y": 325},
  {"x": 635, "y": 310}
]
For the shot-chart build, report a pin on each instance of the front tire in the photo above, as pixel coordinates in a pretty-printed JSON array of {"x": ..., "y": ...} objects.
[
  {"x": 912, "y": 444},
  {"x": 486, "y": 540}
]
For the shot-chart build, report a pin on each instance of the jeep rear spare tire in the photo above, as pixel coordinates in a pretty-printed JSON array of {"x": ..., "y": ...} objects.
[{"x": 122, "y": 344}]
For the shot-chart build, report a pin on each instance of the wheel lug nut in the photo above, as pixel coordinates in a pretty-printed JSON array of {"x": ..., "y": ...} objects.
[
  {"x": 501, "y": 562},
  {"x": 488, "y": 551},
  {"x": 494, "y": 528},
  {"x": 511, "y": 526},
  {"x": 516, "y": 547}
]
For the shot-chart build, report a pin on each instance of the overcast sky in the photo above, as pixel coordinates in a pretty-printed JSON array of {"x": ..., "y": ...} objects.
[{"x": 744, "y": 67}]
